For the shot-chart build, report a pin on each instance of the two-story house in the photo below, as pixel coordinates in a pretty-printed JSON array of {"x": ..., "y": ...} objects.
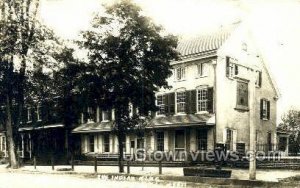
[{"x": 219, "y": 87}]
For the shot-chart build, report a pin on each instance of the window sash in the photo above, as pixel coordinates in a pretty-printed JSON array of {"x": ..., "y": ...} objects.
[
  {"x": 160, "y": 104},
  {"x": 180, "y": 99},
  {"x": 180, "y": 73},
  {"x": 202, "y": 97}
]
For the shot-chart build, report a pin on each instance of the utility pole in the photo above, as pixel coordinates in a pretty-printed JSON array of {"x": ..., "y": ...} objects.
[{"x": 252, "y": 144}]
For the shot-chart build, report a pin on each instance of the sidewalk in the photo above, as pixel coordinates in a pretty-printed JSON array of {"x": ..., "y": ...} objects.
[{"x": 240, "y": 174}]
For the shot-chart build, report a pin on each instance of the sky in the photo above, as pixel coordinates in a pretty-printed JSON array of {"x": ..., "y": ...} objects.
[{"x": 275, "y": 24}]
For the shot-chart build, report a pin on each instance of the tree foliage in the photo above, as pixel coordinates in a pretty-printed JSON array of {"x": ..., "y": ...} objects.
[
  {"x": 291, "y": 124},
  {"x": 129, "y": 60}
]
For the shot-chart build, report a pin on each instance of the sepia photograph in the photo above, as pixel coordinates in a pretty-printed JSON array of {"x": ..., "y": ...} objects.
[{"x": 149, "y": 93}]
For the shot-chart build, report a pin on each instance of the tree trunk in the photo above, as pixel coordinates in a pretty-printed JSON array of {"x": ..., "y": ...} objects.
[
  {"x": 10, "y": 136},
  {"x": 120, "y": 140}
]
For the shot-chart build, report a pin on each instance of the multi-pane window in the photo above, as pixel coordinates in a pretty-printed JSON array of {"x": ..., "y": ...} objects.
[
  {"x": 265, "y": 109},
  {"x": 202, "y": 139},
  {"x": 242, "y": 94},
  {"x": 202, "y": 98},
  {"x": 180, "y": 99},
  {"x": 106, "y": 142},
  {"x": 92, "y": 143},
  {"x": 202, "y": 69},
  {"x": 29, "y": 115},
  {"x": 161, "y": 105},
  {"x": 160, "y": 141},
  {"x": 180, "y": 73},
  {"x": 39, "y": 113},
  {"x": 229, "y": 139}
]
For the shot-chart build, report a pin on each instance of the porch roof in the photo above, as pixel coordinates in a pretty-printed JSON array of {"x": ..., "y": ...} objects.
[
  {"x": 183, "y": 120},
  {"x": 94, "y": 127},
  {"x": 30, "y": 128}
]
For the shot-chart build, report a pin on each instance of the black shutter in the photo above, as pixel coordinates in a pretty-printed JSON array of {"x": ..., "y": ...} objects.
[
  {"x": 227, "y": 66},
  {"x": 171, "y": 100},
  {"x": 259, "y": 79},
  {"x": 268, "y": 109},
  {"x": 210, "y": 97},
  {"x": 193, "y": 102},
  {"x": 190, "y": 106},
  {"x": 166, "y": 103},
  {"x": 261, "y": 108},
  {"x": 236, "y": 70},
  {"x": 187, "y": 101}
]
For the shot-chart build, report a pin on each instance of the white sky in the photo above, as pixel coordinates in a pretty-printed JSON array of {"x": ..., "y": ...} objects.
[{"x": 276, "y": 24}]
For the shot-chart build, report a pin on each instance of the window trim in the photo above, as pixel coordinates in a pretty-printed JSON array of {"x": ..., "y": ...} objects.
[
  {"x": 202, "y": 74},
  {"x": 162, "y": 105},
  {"x": 181, "y": 90},
  {"x": 239, "y": 106},
  {"x": 202, "y": 87},
  {"x": 183, "y": 71}
]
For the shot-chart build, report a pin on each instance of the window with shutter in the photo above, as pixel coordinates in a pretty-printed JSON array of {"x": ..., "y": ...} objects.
[
  {"x": 264, "y": 109},
  {"x": 231, "y": 67}
]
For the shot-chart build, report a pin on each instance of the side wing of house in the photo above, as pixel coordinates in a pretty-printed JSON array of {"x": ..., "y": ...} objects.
[{"x": 244, "y": 85}]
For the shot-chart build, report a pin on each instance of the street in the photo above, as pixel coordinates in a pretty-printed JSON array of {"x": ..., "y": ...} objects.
[{"x": 31, "y": 180}]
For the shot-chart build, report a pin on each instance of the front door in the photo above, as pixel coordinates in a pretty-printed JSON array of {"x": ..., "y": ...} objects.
[{"x": 180, "y": 145}]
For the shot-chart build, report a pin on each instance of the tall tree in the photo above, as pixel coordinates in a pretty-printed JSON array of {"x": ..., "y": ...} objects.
[
  {"x": 291, "y": 124},
  {"x": 24, "y": 42},
  {"x": 129, "y": 55}
]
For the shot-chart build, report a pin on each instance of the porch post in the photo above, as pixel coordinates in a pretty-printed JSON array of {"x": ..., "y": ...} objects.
[
  {"x": 127, "y": 144},
  {"x": 193, "y": 140},
  {"x": 166, "y": 140},
  {"x": 116, "y": 144},
  {"x": 97, "y": 114},
  {"x": 22, "y": 147},
  {"x": 100, "y": 143},
  {"x": 30, "y": 149},
  {"x": 110, "y": 143},
  {"x": 152, "y": 140}
]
